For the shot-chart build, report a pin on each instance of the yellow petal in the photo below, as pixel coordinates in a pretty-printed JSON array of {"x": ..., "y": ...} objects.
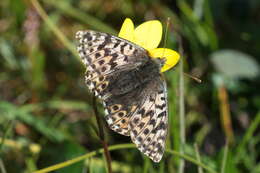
[
  {"x": 149, "y": 34},
  {"x": 172, "y": 57},
  {"x": 127, "y": 30}
]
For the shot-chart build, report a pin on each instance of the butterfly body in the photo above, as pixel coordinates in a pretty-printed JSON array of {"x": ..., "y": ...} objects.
[
  {"x": 127, "y": 81},
  {"x": 130, "y": 85}
]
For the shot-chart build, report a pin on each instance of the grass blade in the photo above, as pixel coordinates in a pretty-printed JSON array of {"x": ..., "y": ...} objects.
[{"x": 224, "y": 160}]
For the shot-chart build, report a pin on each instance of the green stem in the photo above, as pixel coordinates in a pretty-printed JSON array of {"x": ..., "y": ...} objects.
[
  {"x": 249, "y": 133},
  {"x": 198, "y": 157},
  {"x": 192, "y": 160},
  {"x": 224, "y": 160},
  {"x": 181, "y": 106},
  {"x": 5, "y": 133},
  {"x": 2, "y": 166},
  {"x": 118, "y": 147}
]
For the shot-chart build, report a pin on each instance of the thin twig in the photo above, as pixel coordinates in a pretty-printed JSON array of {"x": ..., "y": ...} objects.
[{"x": 102, "y": 136}]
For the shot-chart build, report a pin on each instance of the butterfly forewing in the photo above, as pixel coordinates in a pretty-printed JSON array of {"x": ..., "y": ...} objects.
[
  {"x": 130, "y": 86},
  {"x": 104, "y": 54}
]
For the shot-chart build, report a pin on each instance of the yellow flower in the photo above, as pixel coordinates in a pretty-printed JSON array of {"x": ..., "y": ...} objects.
[{"x": 148, "y": 35}]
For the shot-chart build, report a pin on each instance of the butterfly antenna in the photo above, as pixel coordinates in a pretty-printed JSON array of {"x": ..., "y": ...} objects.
[
  {"x": 193, "y": 77},
  {"x": 166, "y": 34},
  {"x": 181, "y": 53},
  {"x": 164, "y": 45}
]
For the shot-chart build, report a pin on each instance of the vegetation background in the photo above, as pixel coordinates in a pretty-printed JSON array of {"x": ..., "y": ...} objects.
[{"x": 46, "y": 112}]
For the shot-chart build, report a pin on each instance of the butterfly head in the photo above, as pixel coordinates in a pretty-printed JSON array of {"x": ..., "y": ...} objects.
[{"x": 160, "y": 61}]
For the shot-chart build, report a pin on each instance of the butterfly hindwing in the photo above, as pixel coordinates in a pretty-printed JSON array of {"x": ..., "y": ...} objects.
[
  {"x": 149, "y": 124},
  {"x": 119, "y": 109}
]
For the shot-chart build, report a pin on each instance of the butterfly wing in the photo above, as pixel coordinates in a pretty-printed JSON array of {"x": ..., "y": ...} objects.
[
  {"x": 104, "y": 54},
  {"x": 119, "y": 109},
  {"x": 148, "y": 126}
]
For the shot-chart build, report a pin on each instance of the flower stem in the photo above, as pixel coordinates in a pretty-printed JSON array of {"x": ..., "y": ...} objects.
[
  {"x": 181, "y": 106},
  {"x": 102, "y": 136}
]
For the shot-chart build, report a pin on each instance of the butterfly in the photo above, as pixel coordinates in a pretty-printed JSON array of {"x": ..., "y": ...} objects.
[{"x": 129, "y": 83}]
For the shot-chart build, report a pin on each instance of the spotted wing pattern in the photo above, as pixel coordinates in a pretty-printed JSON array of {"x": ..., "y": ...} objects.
[
  {"x": 104, "y": 54},
  {"x": 142, "y": 113},
  {"x": 149, "y": 124},
  {"x": 120, "y": 109}
]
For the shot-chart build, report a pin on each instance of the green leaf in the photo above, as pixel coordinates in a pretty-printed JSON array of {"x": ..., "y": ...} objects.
[
  {"x": 234, "y": 64},
  {"x": 13, "y": 112},
  {"x": 6, "y": 51}
]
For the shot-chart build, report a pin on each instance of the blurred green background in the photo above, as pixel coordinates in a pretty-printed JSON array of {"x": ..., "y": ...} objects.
[{"x": 46, "y": 112}]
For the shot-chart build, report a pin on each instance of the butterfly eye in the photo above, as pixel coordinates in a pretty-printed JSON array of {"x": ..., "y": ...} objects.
[
  {"x": 160, "y": 60},
  {"x": 163, "y": 59}
]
